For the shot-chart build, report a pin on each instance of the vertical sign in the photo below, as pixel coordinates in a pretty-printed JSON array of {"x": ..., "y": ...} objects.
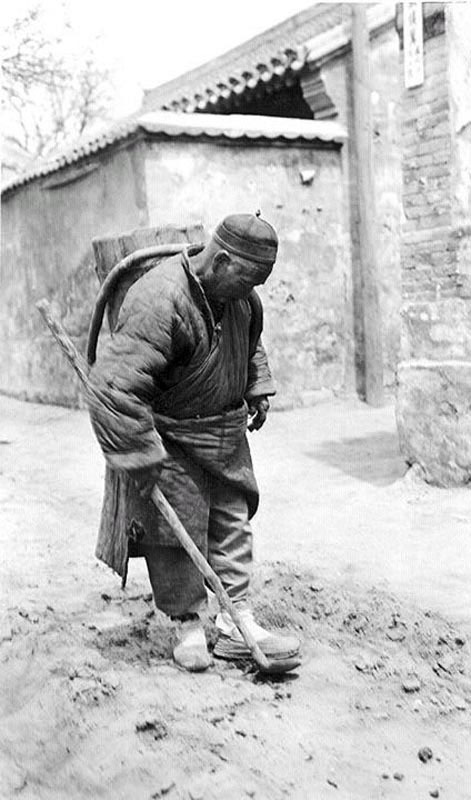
[{"x": 413, "y": 45}]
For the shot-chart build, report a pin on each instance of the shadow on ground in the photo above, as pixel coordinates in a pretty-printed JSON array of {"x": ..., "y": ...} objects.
[{"x": 373, "y": 458}]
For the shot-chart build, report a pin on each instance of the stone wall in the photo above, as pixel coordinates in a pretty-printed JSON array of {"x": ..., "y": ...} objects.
[
  {"x": 434, "y": 405},
  {"x": 307, "y": 329},
  {"x": 47, "y": 228}
]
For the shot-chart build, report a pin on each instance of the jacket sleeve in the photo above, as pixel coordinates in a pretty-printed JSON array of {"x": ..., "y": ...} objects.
[
  {"x": 125, "y": 378},
  {"x": 260, "y": 381}
]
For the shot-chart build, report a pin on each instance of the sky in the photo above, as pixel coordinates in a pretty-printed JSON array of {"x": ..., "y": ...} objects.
[{"x": 147, "y": 42}]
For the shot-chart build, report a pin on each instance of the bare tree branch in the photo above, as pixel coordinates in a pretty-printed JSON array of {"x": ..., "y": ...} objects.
[{"x": 47, "y": 100}]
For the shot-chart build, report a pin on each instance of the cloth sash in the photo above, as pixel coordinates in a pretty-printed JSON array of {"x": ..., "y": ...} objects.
[{"x": 218, "y": 444}]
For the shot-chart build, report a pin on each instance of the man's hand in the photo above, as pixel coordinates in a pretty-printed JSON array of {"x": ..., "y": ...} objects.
[
  {"x": 146, "y": 478},
  {"x": 258, "y": 410}
]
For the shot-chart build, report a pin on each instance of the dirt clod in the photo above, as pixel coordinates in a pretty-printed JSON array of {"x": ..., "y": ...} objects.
[
  {"x": 398, "y": 776},
  {"x": 459, "y": 702},
  {"x": 164, "y": 789},
  {"x": 411, "y": 685},
  {"x": 396, "y": 635},
  {"x": 368, "y": 665},
  {"x": 425, "y": 754},
  {"x": 216, "y": 719},
  {"x": 156, "y": 727},
  {"x": 434, "y": 793},
  {"x": 445, "y": 663}
]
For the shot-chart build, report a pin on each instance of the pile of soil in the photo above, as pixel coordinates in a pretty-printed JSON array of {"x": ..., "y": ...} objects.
[{"x": 92, "y": 706}]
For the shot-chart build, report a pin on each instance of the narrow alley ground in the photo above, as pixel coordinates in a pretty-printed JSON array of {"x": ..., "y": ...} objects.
[{"x": 371, "y": 567}]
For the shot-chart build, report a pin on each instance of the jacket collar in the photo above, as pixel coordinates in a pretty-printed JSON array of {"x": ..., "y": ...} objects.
[{"x": 195, "y": 283}]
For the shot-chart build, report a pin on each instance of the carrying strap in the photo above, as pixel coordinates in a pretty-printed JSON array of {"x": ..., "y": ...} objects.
[
  {"x": 133, "y": 262},
  {"x": 130, "y": 264}
]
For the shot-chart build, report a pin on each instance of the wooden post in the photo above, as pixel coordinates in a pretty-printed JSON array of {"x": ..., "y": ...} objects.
[{"x": 373, "y": 341}]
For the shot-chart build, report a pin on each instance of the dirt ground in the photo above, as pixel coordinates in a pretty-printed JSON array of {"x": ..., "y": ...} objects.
[{"x": 369, "y": 566}]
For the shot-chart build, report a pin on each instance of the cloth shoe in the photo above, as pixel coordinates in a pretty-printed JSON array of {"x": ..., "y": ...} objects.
[
  {"x": 191, "y": 652},
  {"x": 230, "y": 644}
]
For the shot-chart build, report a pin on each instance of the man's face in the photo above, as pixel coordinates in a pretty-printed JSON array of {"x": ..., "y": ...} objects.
[{"x": 236, "y": 277}]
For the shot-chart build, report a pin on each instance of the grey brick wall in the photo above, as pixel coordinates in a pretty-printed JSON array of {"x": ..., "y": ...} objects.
[{"x": 428, "y": 252}]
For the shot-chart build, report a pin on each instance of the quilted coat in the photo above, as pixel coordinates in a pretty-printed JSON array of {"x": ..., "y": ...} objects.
[{"x": 173, "y": 384}]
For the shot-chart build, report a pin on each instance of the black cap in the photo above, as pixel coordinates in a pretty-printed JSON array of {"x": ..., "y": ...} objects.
[{"x": 248, "y": 236}]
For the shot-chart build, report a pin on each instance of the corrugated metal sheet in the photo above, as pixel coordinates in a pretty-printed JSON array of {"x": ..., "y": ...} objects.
[{"x": 172, "y": 124}]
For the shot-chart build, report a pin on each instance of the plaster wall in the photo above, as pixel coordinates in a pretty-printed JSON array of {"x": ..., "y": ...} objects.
[
  {"x": 46, "y": 252},
  {"x": 305, "y": 299}
]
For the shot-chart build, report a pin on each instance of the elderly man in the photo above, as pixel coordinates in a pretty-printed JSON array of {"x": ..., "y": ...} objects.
[{"x": 173, "y": 392}]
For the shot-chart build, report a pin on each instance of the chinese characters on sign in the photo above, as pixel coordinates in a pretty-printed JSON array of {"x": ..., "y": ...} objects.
[{"x": 413, "y": 45}]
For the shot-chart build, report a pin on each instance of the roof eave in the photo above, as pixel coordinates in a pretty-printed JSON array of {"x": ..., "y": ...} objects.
[{"x": 332, "y": 43}]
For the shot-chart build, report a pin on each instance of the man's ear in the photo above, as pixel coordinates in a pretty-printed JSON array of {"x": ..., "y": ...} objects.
[{"x": 221, "y": 261}]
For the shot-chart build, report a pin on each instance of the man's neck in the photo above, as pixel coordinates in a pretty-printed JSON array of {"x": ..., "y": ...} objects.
[
  {"x": 217, "y": 307},
  {"x": 199, "y": 268}
]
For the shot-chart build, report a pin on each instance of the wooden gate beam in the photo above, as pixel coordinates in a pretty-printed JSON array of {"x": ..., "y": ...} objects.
[{"x": 362, "y": 124}]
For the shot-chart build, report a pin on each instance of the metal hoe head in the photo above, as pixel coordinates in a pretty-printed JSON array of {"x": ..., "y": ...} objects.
[{"x": 278, "y": 666}]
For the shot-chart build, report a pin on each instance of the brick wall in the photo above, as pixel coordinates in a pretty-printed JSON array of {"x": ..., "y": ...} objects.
[
  {"x": 433, "y": 411},
  {"x": 428, "y": 250}
]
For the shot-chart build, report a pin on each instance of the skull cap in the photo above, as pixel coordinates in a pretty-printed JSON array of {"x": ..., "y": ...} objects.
[{"x": 248, "y": 236}]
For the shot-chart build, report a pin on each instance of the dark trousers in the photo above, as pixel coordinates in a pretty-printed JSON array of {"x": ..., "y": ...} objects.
[{"x": 178, "y": 586}]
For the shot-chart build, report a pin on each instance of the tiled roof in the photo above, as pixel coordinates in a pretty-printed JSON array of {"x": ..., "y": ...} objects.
[
  {"x": 171, "y": 124},
  {"x": 84, "y": 147},
  {"x": 275, "y": 54}
]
